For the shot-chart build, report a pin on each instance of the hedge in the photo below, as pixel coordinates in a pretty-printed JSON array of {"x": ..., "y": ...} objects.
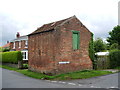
[
  {"x": 11, "y": 57},
  {"x": 114, "y": 57}
]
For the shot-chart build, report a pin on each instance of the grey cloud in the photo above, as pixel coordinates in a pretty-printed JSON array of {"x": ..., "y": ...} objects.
[
  {"x": 8, "y": 28},
  {"x": 103, "y": 26}
]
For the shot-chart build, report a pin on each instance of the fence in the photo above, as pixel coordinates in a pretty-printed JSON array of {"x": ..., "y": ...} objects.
[{"x": 102, "y": 62}]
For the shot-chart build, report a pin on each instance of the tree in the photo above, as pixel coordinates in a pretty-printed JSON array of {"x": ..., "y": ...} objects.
[
  {"x": 114, "y": 36},
  {"x": 114, "y": 46},
  {"x": 99, "y": 45}
]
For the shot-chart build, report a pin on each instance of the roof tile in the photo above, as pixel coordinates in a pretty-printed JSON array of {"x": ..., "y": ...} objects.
[{"x": 50, "y": 26}]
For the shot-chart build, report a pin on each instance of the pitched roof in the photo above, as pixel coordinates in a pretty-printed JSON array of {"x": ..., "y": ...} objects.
[
  {"x": 50, "y": 26},
  {"x": 6, "y": 45},
  {"x": 20, "y": 38}
]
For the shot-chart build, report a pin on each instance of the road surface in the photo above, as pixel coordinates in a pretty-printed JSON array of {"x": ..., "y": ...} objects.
[{"x": 12, "y": 79}]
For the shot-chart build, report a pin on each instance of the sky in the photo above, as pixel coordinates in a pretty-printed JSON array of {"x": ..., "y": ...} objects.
[{"x": 25, "y": 16}]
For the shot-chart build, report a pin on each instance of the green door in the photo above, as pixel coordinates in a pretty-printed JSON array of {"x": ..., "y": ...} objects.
[{"x": 75, "y": 40}]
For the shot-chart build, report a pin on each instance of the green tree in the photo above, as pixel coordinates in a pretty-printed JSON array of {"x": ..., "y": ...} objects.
[
  {"x": 114, "y": 36},
  {"x": 114, "y": 46},
  {"x": 99, "y": 45}
]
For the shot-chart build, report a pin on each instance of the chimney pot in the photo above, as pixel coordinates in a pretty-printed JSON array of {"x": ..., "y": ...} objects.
[{"x": 17, "y": 35}]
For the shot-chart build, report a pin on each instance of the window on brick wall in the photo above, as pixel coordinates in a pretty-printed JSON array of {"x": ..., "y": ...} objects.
[
  {"x": 26, "y": 44},
  {"x": 19, "y": 44},
  {"x": 76, "y": 39},
  {"x": 13, "y": 45}
]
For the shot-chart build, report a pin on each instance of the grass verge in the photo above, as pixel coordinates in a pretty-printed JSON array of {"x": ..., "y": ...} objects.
[{"x": 67, "y": 76}]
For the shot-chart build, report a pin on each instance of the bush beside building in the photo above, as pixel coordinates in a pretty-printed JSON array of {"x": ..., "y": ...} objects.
[{"x": 11, "y": 57}]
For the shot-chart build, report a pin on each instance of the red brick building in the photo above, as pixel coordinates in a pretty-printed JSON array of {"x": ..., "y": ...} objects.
[
  {"x": 20, "y": 44},
  {"x": 60, "y": 47}
]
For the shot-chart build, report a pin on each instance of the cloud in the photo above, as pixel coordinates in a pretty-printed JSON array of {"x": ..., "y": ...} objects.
[
  {"x": 25, "y": 16},
  {"x": 8, "y": 28}
]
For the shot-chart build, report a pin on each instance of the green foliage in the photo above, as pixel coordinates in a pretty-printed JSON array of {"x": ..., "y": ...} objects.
[
  {"x": 99, "y": 45},
  {"x": 114, "y": 57},
  {"x": 4, "y": 49},
  {"x": 1, "y": 49},
  {"x": 91, "y": 50},
  {"x": 114, "y": 46},
  {"x": 25, "y": 66},
  {"x": 11, "y": 57},
  {"x": 114, "y": 36}
]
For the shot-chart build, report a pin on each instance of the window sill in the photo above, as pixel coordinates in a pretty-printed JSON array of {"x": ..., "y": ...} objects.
[{"x": 25, "y": 59}]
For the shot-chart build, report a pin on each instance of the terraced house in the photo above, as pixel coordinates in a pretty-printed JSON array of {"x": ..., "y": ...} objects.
[
  {"x": 59, "y": 47},
  {"x": 20, "y": 44}
]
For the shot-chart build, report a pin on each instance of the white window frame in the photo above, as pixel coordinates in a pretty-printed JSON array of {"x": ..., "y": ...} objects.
[
  {"x": 13, "y": 45},
  {"x": 26, "y": 44},
  {"x": 25, "y": 55},
  {"x": 19, "y": 44}
]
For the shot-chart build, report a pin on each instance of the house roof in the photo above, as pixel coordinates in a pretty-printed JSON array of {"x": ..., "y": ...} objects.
[
  {"x": 6, "y": 45},
  {"x": 20, "y": 38},
  {"x": 50, "y": 26}
]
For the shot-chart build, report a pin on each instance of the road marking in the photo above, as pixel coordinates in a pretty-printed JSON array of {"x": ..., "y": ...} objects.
[
  {"x": 113, "y": 87},
  {"x": 72, "y": 83},
  {"x": 79, "y": 84},
  {"x": 61, "y": 82},
  {"x": 95, "y": 87},
  {"x": 91, "y": 86},
  {"x": 64, "y": 82}
]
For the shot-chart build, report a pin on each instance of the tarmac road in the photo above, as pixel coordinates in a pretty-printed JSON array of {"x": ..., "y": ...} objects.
[{"x": 12, "y": 79}]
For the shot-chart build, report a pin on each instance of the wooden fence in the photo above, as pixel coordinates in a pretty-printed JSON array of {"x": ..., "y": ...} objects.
[{"x": 102, "y": 62}]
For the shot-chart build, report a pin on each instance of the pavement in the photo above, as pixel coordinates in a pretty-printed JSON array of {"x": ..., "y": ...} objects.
[{"x": 12, "y": 79}]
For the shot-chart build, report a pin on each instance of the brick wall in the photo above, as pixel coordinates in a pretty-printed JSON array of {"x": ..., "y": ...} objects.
[
  {"x": 47, "y": 49},
  {"x": 41, "y": 52}
]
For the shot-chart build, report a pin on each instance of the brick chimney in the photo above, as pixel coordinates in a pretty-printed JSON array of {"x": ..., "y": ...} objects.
[
  {"x": 17, "y": 35},
  {"x": 7, "y": 41}
]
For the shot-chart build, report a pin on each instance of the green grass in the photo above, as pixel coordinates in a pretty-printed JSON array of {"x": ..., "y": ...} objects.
[
  {"x": 9, "y": 68},
  {"x": 67, "y": 76}
]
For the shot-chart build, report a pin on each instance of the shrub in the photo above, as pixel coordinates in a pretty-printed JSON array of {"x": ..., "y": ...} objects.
[
  {"x": 25, "y": 66},
  {"x": 6, "y": 49},
  {"x": 91, "y": 51},
  {"x": 11, "y": 57},
  {"x": 114, "y": 57}
]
